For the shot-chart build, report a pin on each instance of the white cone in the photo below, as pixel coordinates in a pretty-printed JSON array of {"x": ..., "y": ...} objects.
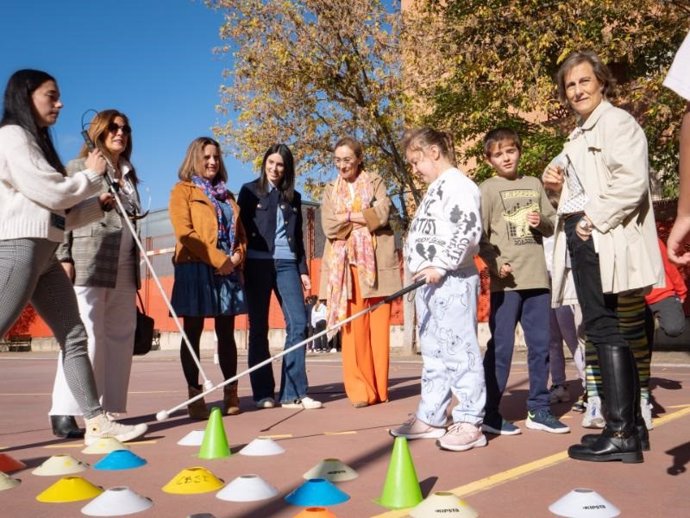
[
  {"x": 262, "y": 446},
  {"x": 105, "y": 445},
  {"x": 247, "y": 488},
  {"x": 584, "y": 503},
  {"x": 7, "y": 482},
  {"x": 59, "y": 465},
  {"x": 332, "y": 470},
  {"x": 193, "y": 438},
  {"x": 117, "y": 501},
  {"x": 443, "y": 504}
]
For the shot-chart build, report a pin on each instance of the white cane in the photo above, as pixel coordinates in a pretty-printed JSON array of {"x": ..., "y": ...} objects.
[{"x": 164, "y": 414}]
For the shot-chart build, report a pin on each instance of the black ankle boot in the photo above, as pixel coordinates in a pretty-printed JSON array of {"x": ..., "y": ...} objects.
[
  {"x": 619, "y": 440},
  {"x": 642, "y": 435},
  {"x": 65, "y": 427}
]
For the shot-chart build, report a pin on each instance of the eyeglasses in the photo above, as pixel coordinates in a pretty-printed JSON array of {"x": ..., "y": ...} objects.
[
  {"x": 344, "y": 161},
  {"x": 113, "y": 127}
]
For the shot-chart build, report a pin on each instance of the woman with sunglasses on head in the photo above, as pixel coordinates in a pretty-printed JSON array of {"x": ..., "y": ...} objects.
[
  {"x": 271, "y": 211},
  {"x": 38, "y": 203},
  {"x": 359, "y": 268},
  {"x": 102, "y": 262}
]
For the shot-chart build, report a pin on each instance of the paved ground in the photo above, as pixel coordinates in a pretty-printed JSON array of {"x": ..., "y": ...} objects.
[{"x": 516, "y": 476}]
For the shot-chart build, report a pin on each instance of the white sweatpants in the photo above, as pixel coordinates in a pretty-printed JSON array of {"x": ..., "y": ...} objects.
[
  {"x": 109, "y": 316},
  {"x": 447, "y": 319}
]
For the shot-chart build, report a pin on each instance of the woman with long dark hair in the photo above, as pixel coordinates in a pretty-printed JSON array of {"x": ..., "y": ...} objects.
[
  {"x": 38, "y": 203},
  {"x": 271, "y": 211}
]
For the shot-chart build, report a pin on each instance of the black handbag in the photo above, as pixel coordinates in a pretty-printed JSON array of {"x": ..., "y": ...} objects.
[{"x": 143, "y": 335}]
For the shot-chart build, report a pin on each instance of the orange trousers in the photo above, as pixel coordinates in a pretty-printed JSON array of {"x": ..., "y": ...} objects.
[{"x": 366, "y": 348}]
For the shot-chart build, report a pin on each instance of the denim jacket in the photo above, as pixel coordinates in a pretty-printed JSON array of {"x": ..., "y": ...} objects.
[{"x": 258, "y": 214}]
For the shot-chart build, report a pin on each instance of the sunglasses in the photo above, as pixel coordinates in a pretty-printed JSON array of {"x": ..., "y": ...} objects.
[{"x": 113, "y": 127}]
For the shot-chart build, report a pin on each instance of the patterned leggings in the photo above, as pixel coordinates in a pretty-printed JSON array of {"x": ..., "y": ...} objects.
[
  {"x": 631, "y": 317},
  {"x": 29, "y": 272}
]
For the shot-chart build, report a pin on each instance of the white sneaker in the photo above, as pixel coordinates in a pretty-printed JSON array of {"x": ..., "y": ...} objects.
[
  {"x": 101, "y": 427},
  {"x": 306, "y": 403},
  {"x": 646, "y": 408},
  {"x": 593, "y": 418}
]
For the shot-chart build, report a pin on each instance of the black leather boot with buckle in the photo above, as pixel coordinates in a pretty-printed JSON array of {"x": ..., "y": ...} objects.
[{"x": 619, "y": 440}]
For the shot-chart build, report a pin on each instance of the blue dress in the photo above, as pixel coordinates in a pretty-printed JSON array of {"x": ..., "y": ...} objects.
[{"x": 199, "y": 292}]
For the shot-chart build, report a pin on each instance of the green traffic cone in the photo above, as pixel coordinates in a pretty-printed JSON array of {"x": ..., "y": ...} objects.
[
  {"x": 215, "y": 443},
  {"x": 401, "y": 489}
]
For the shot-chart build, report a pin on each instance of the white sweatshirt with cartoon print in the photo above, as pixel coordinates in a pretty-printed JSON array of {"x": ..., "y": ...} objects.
[{"x": 447, "y": 226}]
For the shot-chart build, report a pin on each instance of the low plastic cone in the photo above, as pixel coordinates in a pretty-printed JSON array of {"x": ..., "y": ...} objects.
[
  {"x": 247, "y": 488},
  {"x": 120, "y": 459},
  {"x": 215, "y": 443},
  {"x": 262, "y": 446},
  {"x": 401, "y": 488},
  {"x": 192, "y": 481},
  {"x": 317, "y": 492},
  {"x": 117, "y": 501},
  {"x": 103, "y": 446},
  {"x": 333, "y": 470},
  {"x": 69, "y": 489},
  {"x": 9, "y": 464},
  {"x": 59, "y": 465},
  {"x": 443, "y": 504},
  {"x": 584, "y": 503},
  {"x": 7, "y": 482},
  {"x": 193, "y": 438},
  {"x": 315, "y": 512}
]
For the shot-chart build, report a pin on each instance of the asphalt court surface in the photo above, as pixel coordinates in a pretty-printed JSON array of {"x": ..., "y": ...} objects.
[{"x": 517, "y": 476}]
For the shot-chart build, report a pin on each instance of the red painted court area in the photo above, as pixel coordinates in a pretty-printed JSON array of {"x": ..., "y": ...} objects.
[{"x": 518, "y": 476}]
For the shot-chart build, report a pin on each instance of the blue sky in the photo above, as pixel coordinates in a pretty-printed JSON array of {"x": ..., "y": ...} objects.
[{"x": 151, "y": 59}]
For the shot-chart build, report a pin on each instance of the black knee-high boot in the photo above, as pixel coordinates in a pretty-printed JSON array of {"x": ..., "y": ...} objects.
[
  {"x": 619, "y": 440},
  {"x": 640, "y": 426}
]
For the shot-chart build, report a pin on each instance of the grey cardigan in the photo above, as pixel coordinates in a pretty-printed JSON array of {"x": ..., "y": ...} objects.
[{"x": 94, "y": 248}]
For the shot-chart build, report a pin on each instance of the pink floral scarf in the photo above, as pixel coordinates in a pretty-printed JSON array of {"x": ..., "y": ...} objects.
[{"x": 358, "y": 250}]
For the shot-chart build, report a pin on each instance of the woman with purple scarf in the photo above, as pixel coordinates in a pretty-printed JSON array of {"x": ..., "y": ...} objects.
[{"x": 209, "y": 253}]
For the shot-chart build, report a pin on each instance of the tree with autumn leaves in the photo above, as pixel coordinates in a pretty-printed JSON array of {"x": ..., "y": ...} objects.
[
  {"x": 496, "y": 59},
  {"x": 307, "y": 72}
]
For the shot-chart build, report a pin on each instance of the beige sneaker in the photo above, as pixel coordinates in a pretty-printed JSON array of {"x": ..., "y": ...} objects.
[
  {"x": 413, "y": 428},
  {"x": 100, "y": 427},
  {"x": 462, "y": 437}
]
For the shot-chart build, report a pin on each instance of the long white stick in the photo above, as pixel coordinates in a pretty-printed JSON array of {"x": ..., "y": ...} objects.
[
  {"x": 164, "y": 414},
  {"x": 113, "y": 189}
]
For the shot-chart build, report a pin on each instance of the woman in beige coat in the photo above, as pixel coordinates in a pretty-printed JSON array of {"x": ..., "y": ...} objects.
[
  {"x": 607, "y": 224},
  {"x": 360, "y": 266}
]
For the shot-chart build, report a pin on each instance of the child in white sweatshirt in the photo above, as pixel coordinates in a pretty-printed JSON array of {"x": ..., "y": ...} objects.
[{"x": 440, "y": 248}]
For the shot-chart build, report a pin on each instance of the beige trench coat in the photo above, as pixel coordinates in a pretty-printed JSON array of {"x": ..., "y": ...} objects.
[
  {"x": 609, "y": 155},
  {"x": 387, "y": 261}
]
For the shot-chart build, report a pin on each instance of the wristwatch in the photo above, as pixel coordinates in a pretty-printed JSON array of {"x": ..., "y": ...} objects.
[{"x": 585, "y": 225}]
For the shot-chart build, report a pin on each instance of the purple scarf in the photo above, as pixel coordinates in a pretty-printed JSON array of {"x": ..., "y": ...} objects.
[{"x": 219, "y": 193}]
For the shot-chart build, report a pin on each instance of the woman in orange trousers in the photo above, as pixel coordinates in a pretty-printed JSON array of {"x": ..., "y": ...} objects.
[{"x": 360, "y": 267}]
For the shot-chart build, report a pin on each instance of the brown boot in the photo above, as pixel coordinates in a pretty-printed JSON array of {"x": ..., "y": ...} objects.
[
  {"x": 231, "y": 403},
  {"x": 197, "y": 409}
]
